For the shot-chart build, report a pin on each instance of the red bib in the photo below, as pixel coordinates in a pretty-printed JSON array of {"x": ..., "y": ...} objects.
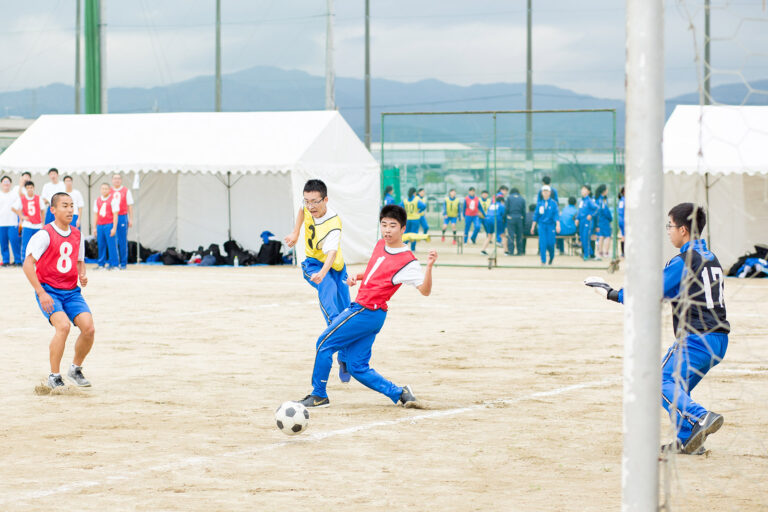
[
  {"x": 122, "y": 195},
  {"x": 377, "y": 287},
  {"x": 471, "y": 206},
  {"x": 31, "y": 208},
  {"x": 104, "y": 210},
  {"x": 57, "y": 266}
]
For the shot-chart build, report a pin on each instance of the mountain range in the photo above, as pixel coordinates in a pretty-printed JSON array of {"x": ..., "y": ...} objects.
[{"x": 274, "y": 89}]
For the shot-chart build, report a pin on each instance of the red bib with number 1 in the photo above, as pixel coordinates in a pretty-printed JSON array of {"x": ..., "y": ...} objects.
[
  {"x": 57, "y": 267},
  {"x": 377, "y": 286}
]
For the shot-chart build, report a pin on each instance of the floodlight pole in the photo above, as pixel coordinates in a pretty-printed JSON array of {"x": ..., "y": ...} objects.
[
  {"x": 218, "y": 56},
  {"x": 93, "y": 72},
  {"x": 78, "y": 30},
  {"x": 707, "y": 68},
  {"x": 103, "y": 55},
  {"x": 529, "y": 87},
  {"x": 330, "y": 96},
  {"x": 368, "y": 74},
  {"x": 643, "y": 281}
]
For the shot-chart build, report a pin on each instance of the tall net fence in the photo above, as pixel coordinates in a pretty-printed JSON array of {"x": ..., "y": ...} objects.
[
  {"x": 717, "y": 363},
  {"x": 510, "y": 153}
]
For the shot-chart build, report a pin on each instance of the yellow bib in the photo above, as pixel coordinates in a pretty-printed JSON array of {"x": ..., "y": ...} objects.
[
  {"x": 452, "y": 207},
  {"x": 485, "y": 203},
  {"x": 412, "y": 208},
  {"x": 314, "y": 234}
]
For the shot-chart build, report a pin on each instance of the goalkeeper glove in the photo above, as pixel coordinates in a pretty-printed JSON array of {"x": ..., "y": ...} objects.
[{"x": 602, "y": 288}]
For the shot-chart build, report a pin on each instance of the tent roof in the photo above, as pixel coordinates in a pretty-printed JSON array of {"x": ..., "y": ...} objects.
[
  {"x": 716, "y": 140},
  {"x": 237, "y": 142}
]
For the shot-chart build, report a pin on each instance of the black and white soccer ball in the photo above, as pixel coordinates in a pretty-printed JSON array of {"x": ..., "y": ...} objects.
[{"x": 292, "y": 418}]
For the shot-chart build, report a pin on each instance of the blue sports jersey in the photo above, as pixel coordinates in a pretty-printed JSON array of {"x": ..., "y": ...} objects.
[
  {"x": 546, "y": 212},
  {"x": 568, "y": 220},
  {"x": 587, "y": 206}
]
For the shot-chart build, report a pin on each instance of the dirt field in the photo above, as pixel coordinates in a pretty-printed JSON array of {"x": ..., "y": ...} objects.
[{"x": 522, "y": 369}]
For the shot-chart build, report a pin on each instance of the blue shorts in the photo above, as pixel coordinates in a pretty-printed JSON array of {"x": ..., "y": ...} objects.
[
  {"x": 70, "y": 302},
  {"x": 451, "y": 220},
  {"x": 489, "y": 225}
]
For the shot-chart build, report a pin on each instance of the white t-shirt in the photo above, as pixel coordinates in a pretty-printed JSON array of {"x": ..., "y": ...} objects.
[
  {"x": 411, "y": 274},
  {"x": 49, "y": 189},
  {"x": 333, "y": 239},
  {"x": 41, "y": 240},
  {"x": 26, "y": 223},
  {"x": 7, "y": 201},
  {"x": 77, "y": 199}
]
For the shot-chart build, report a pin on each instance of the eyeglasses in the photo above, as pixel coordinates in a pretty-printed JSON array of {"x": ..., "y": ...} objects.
[
  {"x": 670, "y": 226},
  {"x": 312, "y": 203}
]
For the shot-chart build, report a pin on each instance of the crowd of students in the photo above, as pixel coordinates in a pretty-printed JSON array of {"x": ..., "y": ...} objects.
[
  {"x": 23, "y": 213},
  {"x": 506, "y": 220}
]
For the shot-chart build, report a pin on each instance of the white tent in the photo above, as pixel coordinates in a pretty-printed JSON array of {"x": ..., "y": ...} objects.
[
  {"x": 205, "y": 176},
  {"x": 717, "y": 156}
]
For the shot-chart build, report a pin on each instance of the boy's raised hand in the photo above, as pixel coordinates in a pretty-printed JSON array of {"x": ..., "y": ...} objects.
[
  {"x": 431, "y": 257},
  {"x": 291, "y": 239}
]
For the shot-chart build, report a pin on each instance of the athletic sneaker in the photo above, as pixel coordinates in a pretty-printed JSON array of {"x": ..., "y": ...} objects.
[
  {"x": 344, "y": 375},
  {"x": 709, "y": 424},
  {"x": 484, "y": 252},
  {"x": 75, "y": 374},
  {"x": 315, "y": 401},
  {"x": 55, "y": 381},
  {"x": 677, "y": 447},
  {"x": 406, "y": 396}
]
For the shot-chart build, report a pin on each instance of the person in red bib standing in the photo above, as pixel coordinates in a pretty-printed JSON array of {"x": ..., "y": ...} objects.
[
  {"x": 355, "y": 329},
  {"x": 55, "y": 261},
  {"x": 124, "y": 198},
  {"x": 106, "y": 209},
  {"x": 31, "y": 210}
]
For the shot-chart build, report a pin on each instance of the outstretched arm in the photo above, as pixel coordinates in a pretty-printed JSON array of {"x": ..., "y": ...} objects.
[
  {"x": 291, "y": 239},
  {"x": 603, "y": 289},
  {"x": 426, "y": 287}
]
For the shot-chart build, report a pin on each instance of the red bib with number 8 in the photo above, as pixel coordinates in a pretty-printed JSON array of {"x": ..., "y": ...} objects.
[{"x": 57, "y": 267}]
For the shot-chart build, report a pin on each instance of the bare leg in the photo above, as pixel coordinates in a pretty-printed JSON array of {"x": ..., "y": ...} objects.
[
  {"x": 84, "y": 321},
  {"x": 60, "y": 322}
]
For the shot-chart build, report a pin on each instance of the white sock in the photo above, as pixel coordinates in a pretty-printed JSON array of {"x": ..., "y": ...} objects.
[
  {"x": 56, "y": 375},
  {"x": 75, "y": 367}
]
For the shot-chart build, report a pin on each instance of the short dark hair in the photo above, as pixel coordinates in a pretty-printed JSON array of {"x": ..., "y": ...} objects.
[
  {"x": 57, "y": 197},
  {"x": 395, "y": 212},
  {"x": 471, "y": 189},
  {"x": 514, "y": 191},
  {"x": 503, "y": 187},
  {"x": 531, "y": 207},
  {"x": 6, "y": 178},
  {"x": 27, "y": 173},
  {"x": 421, "y": 189},
  {"x": 589, "y": 188},
  {"x": 316, "y": 186},
  {"x": 452, "y": 190},
  {"x": 29, "y": 183},
  {"x": 621, "y": 193},
  {"x": 546, "y": 180},
  {"x": 388, "y": 189},
  {"x": 572, "y": 201},
  {"x": 53, "y": 169},
  {"x": 600, "y": 189},
  {"x": 67, "y": 177},
  {"x": 689, "y": 215},
  {"x": 411, "y": 192}
]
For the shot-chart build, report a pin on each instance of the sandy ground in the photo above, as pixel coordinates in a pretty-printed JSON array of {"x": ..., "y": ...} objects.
[{"x": 522, "y": 369}]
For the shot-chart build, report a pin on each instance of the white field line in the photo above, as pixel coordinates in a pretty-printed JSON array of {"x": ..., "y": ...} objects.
[{"x": 209, "y": 460}]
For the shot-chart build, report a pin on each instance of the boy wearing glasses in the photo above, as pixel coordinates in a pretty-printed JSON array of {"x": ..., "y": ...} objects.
[
  {"x": 323, "y": 268},
  {"x": 693, "y": 282}
]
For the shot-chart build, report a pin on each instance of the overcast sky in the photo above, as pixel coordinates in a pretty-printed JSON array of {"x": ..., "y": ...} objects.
[{"x": 578, "y": 45}]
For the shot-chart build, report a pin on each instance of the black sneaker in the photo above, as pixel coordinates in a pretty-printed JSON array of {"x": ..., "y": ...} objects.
[
  {"x": 315, "y": 401},
  {"x": 677, "y": 447},
  {"x": 55, "y": 381},
  {"x": 709, "y": 424},
  {"x": 75, "y": 374},
  {"x": 406, "y": 396}
]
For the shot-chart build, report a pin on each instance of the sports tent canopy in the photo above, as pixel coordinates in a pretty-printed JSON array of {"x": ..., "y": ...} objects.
[
  {"x": 717, "y": 156},
  {"x": 207, "y": 177}
]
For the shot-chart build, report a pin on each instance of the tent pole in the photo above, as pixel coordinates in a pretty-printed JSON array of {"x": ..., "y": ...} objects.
[
  {"x": 229, "y": 204},
  {"x": 706, "y": 198},
  {"x": 88, "y": 206}
]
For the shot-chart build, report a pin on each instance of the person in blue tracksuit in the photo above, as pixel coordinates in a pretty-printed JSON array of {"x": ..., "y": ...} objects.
[
  {"x": 388, "y": 197},
  {"x": 620, "y": 213},
  {"x": 413, "y": 208},
  {"x": 693, "y": 282},
  {"x": 547, "y": 216},
  {"x": 567, "y": 223},
  {"x": 547, "y": 181},
  {"x": 423, "y": 224},
  {"x": 603, "y": 226},
  {"x": 495, "y": 222},
  {"x": 584, "y": 220}
]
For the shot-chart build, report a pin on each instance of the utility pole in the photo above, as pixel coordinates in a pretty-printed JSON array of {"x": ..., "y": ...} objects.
[
  {"x": 330, "y": 99},
  {"x": 78, "y": 30},
  {"x": 368, "y": 74},
  {"x": 707, "y": 67},
  {"x": 218, "y": 56},
  {"x": 529, "y": 92},
  {"x": 92, "y": 58},
  {"x": 103, "y": 56}
]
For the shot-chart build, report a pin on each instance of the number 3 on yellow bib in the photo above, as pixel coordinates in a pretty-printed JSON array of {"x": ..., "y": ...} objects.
[{"x": 314, "y": 234}]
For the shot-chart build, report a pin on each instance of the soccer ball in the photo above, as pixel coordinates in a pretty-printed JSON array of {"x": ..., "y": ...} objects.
[{"x": 292, "y": 418}]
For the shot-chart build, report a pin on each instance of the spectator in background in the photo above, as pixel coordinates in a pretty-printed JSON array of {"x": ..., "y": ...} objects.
[
  {"x": 495, "y": 222},
  {"x": 620, "y": 212},
  {"x": 584, "y": 220},
  {"x": 504, "y": 191},
  {"x": 49, "y": 189},
  {"x": 485, "y": 203},
  {"x": 388, "y": 197},
  {"x": 451, "y": 212},
  {"x": 529, "y": 227},
  {"x": 515, "y": 210},
  {"x": 29, "y": 207},
  {"x": 77, "y": 200},
  {"x": 9, "y": 223},
  {"x": 106, "y": 209},
  {"x": 546, "y": 181},
  {"x": 124, "y": 217},
  {"x": 567, "y": 222},
  {"x": 604, "y": 218},
  {"x": 472, "y": 212},
  {"x": 547, "y": 217},
  {"x": 413, "y": 208},
  {"x": 423, "y": 214}
]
